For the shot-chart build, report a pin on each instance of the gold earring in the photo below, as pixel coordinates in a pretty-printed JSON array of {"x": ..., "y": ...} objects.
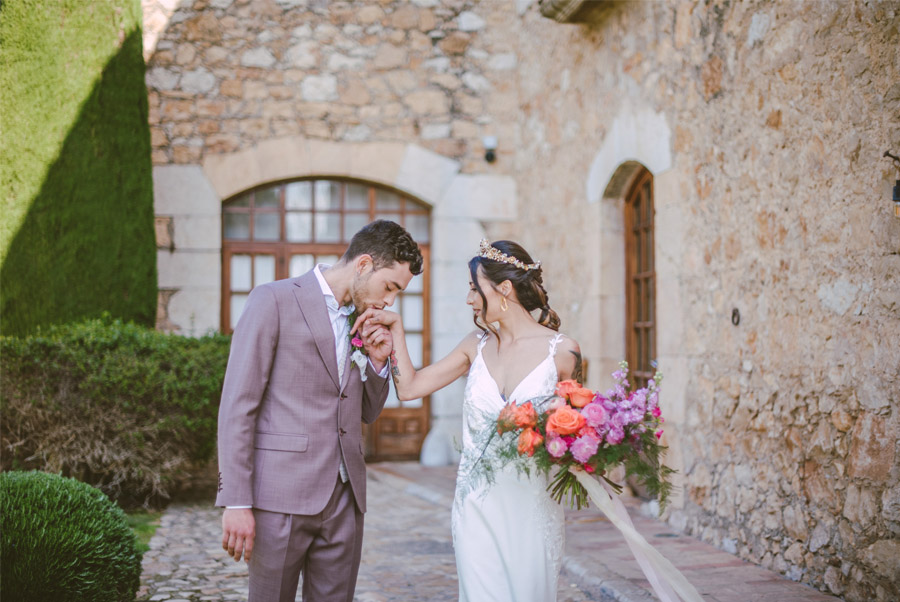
[{"x": 503, "y": 304}]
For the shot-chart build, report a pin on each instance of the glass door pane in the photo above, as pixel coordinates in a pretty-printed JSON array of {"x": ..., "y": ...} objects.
[
  {"x": 263, "y": 269},
  {"x": 300, "y": 264},
  {"x": 241, "y": 273}
]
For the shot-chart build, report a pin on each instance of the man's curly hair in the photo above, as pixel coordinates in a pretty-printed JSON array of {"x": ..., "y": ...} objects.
[{"x": 388, "y": 243}]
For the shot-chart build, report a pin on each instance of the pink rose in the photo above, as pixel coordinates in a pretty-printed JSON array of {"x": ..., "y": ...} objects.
[
  {"x": 585, "y": 447},
  {"x": 594, "y": 414},
  {"x": 556, "y": 446},
  {"x": 356, "y": 342}
]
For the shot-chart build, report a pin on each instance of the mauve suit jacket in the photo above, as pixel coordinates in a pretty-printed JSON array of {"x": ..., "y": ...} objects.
[{"x": 284, "y": 418}]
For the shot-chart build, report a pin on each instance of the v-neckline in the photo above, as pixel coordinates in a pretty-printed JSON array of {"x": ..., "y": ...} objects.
[{"x": 516, "y": 388}]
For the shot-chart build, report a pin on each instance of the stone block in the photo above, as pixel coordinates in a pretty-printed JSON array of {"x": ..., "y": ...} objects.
[
  {"x": 183, "y": 190},
  {"x": 390, "y": 56},
  {"x": 428, "y": 102},
  {"x": 196, "y": 310},
  {"x": 884, "y": 557},
  {"x": 258, "y": 57},
  {"x": 319, "y": 88},
  {"x": 199, "y": 232},
  {"x": 486, "y": 197},
  {"x": 179, "y": 270},
  {"x": 872, "y": 447},
  {"x": 425, "y": 174}
]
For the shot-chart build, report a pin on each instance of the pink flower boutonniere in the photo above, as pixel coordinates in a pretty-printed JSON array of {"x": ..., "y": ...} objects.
[{"x": 357, "y": 351}]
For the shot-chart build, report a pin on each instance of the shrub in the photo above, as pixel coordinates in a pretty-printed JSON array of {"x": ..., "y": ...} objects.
[
  {"x": 127, "y": 409},
  {"x": 64, "y": 540}
]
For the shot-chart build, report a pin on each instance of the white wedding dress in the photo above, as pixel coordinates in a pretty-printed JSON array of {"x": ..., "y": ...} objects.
[{"x": 509, "y": 535}]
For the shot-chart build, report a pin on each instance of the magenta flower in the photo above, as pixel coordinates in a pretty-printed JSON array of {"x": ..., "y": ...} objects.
[
  {"x": 556, "y": 446},
  {"x": 656, "y": 412},
  {"x": 594, "y": 413},
  {"x": 585, "y": 447},
  {"x": 356, "y": 342},
  {"x": 659, "y": 434}
]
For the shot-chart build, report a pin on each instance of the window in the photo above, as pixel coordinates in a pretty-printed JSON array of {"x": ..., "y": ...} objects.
[{"x": 640, "y": 280}]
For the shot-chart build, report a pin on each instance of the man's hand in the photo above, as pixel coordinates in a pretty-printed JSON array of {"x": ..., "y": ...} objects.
[
  {"x": 378, "y": 343},
  {"x": 238, "y": 531}
]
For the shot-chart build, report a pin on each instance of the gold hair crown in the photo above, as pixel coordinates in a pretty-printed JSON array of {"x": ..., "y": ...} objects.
[{"x": 489, "y": 252}]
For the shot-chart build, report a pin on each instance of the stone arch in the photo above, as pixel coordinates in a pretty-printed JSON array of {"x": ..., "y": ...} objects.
[
  {"x": 635, "y": 137},
  {"x": 188, "y": 204},
  {"x": 640, "y": 139}
]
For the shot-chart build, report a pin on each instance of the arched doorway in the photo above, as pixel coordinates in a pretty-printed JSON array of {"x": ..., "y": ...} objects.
[
  {"x": 640, "y": 279},
  {"x": 283, "y": 230}
]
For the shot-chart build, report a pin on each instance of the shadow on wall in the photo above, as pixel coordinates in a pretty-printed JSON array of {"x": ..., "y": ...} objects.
[{"x": 87, "y": 244}]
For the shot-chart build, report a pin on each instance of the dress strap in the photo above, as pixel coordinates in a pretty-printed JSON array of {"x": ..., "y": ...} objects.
[
  {"x": 483, "y": 340},
  {"x": 554, "y": 342}
]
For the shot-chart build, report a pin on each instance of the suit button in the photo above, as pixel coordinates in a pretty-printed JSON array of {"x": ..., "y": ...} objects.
[
  {"x": 342, "y": 432},
  {"x": 343, "y": 396}
]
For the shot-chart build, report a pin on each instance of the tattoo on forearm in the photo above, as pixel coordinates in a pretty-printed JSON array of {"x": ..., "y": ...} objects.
[
  {"x": 577, "y": 373},
  {"x": 395, "y": 369}
]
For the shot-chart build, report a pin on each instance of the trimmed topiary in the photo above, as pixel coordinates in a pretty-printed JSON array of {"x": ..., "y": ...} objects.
[{"x": 63, "y": 540}]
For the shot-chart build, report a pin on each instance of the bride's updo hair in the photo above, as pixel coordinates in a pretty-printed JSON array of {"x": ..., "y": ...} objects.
[{"x": 528, "y": 284}]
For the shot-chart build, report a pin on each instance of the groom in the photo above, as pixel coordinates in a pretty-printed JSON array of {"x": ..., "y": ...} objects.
[{"x": 292, "y": 475}]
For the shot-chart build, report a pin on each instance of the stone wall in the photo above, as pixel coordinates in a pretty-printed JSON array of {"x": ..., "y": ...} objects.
[
  {"x": 763, "y": 125},
  {"x": 777, "y": 204},
  {"x": 227, "y": 74}
]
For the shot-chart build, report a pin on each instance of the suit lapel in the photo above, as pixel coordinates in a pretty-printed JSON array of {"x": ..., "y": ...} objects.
[{"x": 312, "y": 306}]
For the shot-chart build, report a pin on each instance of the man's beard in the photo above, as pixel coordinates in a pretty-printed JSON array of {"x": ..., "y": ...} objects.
[{"x": 360, "y": 291}]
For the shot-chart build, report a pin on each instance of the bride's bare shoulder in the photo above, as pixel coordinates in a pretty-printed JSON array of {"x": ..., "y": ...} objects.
[
  {"x": 469, "y": 344},
  {"x": 568, "y": 359}
]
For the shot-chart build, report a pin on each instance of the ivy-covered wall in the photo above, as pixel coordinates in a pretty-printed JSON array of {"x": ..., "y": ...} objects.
[{"x": 76, "y": 236}]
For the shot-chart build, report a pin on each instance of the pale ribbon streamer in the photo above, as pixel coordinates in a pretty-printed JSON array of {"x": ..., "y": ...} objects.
[{"x": 662, "y": 575}]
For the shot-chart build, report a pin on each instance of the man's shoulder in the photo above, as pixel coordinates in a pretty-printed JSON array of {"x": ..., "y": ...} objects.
[{"x": 285, "y": 284}]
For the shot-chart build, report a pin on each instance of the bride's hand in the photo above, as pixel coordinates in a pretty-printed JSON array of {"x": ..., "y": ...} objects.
[{"x": 385, "y": 318}]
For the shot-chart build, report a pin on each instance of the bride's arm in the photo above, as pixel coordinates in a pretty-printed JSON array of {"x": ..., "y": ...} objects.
[
  {"x": 568, "y": 361},
  {"x": 409, "y": 382}
]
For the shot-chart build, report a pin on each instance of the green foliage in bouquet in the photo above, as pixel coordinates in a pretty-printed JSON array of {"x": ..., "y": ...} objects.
[
  {"x": 65, "y": 541},
  {"x": 125, "y": 408}
]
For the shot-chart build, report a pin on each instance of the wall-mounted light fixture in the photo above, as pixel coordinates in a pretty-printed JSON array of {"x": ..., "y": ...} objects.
[
  {"x": 896, "y": 159},
  {"x": 490, "y": 148}
]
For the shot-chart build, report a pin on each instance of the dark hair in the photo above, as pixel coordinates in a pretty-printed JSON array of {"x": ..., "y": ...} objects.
[
  {"x": 528, "y": 284},
  {"x": 388, "y": 243}
]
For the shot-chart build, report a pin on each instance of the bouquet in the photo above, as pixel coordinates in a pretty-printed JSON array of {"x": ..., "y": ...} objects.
[{"x": 587, "y": 430}]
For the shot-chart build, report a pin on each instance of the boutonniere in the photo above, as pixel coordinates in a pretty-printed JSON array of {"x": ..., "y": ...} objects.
[{"x": 358, "y": 353}]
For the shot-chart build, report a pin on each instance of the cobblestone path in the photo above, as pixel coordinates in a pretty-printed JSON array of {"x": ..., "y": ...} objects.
[{"x": 407, "y": 550}]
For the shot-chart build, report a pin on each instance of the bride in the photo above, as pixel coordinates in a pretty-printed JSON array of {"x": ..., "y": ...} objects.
[{"x": 508, "y": 535}]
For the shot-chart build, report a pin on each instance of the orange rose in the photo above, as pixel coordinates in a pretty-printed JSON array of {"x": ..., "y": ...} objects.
[
  {"x": 565, "y": 421},
  {"x": 528, "y": 440},
  {"x": 580, "y": 397},
  {"x": 564, "y": 387},
  {"x": 506, "y": 421},
  {"x": 525, "y": 416}
]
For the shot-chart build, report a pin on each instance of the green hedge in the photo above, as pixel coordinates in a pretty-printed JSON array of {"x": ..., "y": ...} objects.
[
  {"x": 124, "y": 408},
  {"x": 76, "y": 232},
  {"x": 64, "y": 541}
]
